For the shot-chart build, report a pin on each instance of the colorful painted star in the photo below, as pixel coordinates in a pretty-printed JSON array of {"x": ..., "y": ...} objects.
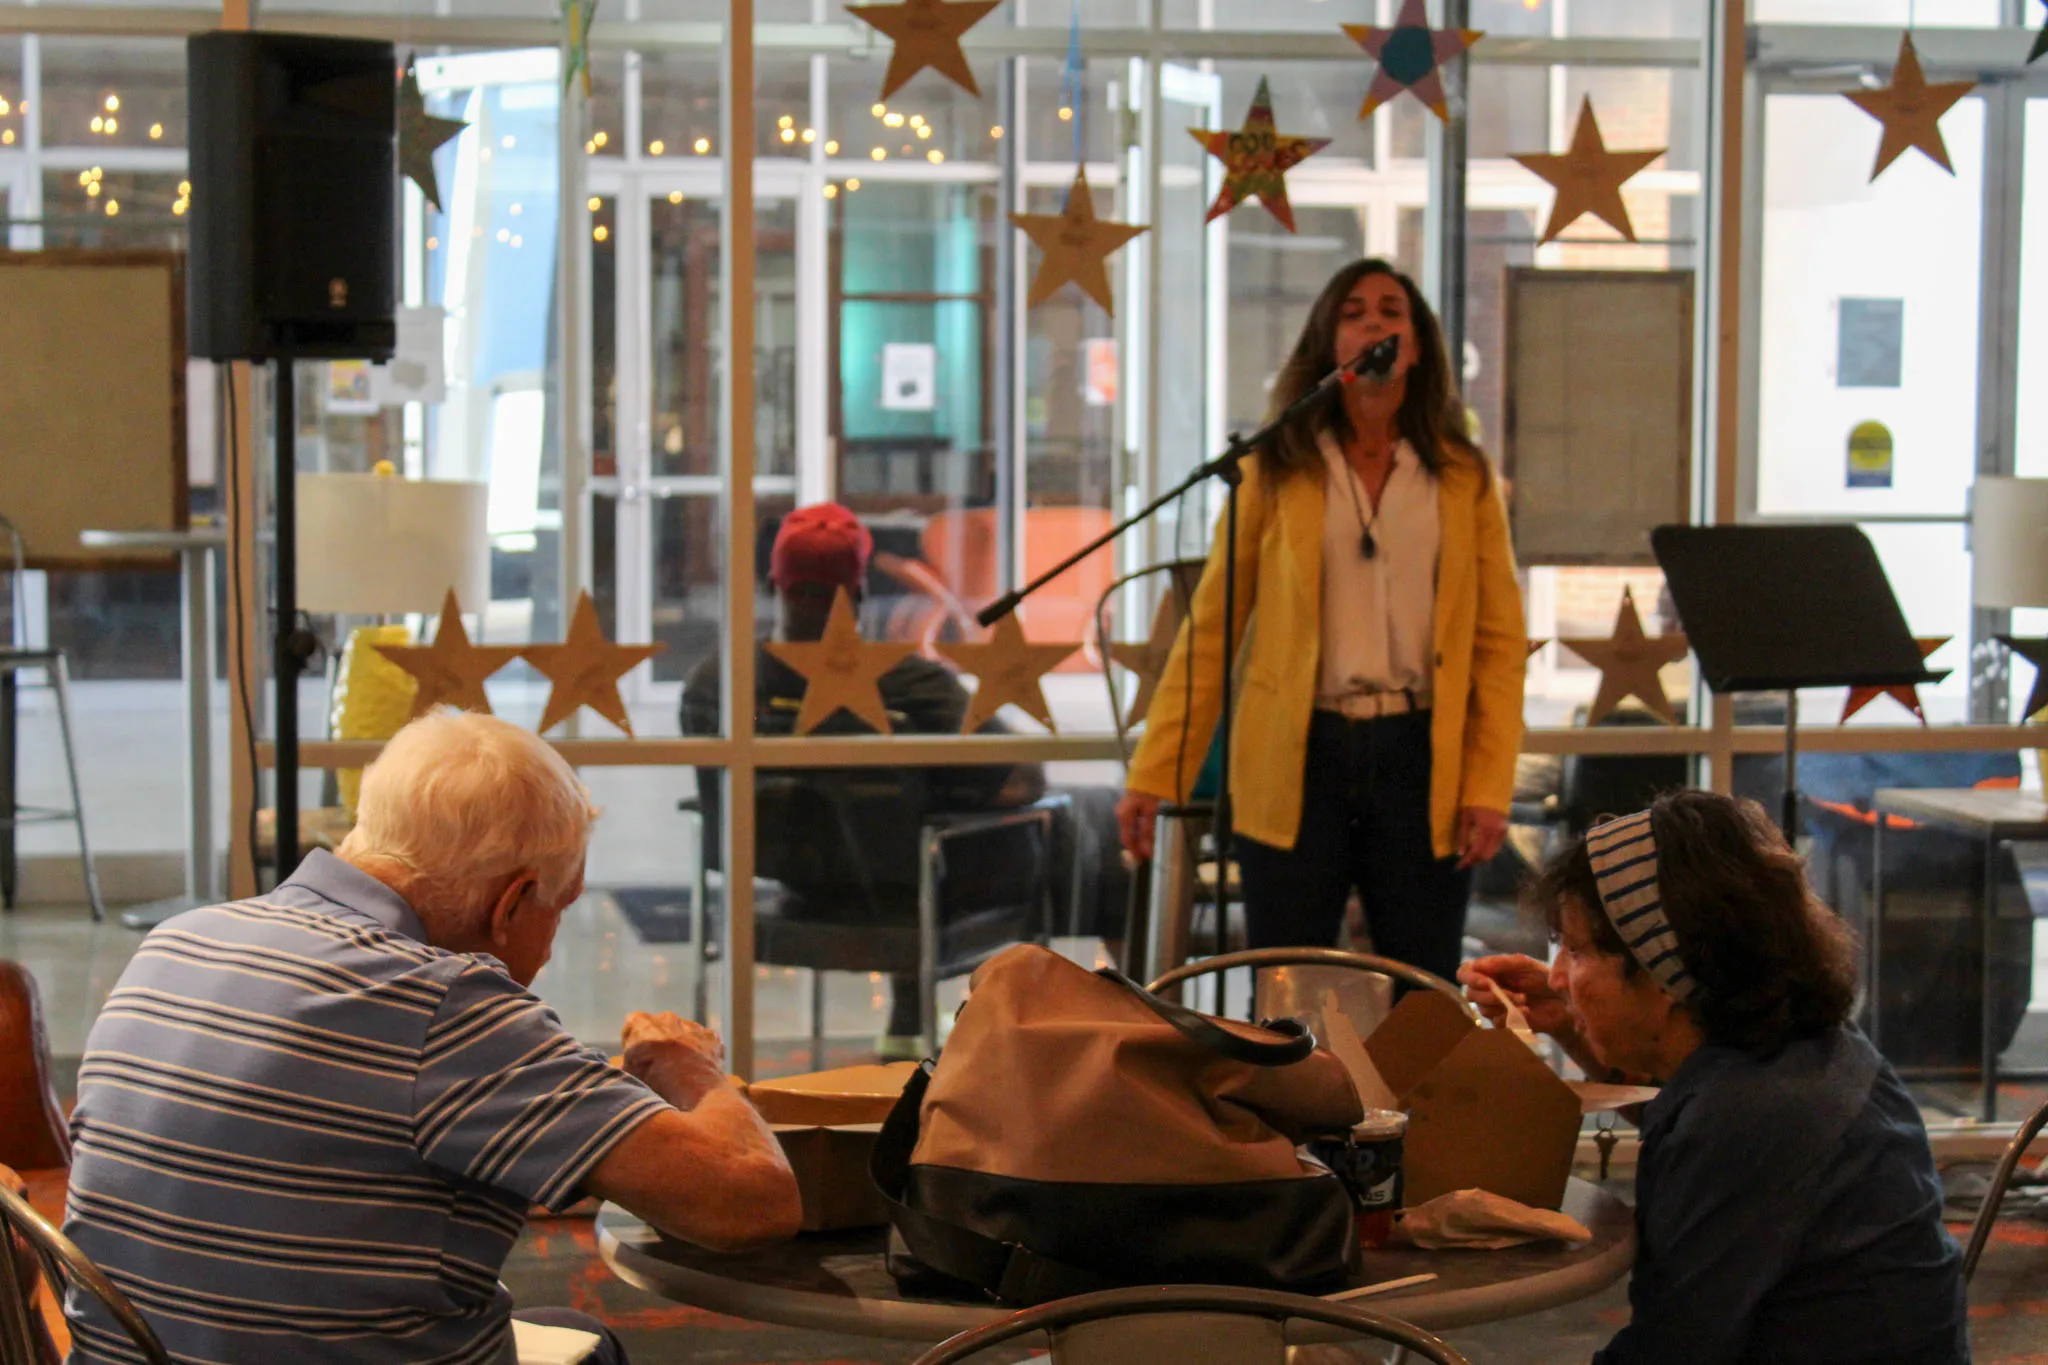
[
  {"x": 1588, "y": 178},
  {"x": 1077, "y": 246},
  {"x": 1008, "y": 668},
  {"x": 1256, "y": 159},
  {"x": 1628, "y": 662},
  {"x": 1411, "y": 55},
  {"x": 1910, "y": 110},
  {"x": 926, "y": 34},
  {"x": 2040, "y": 48},
  {"x": 419, "y": 133},
  {"x": 2034, "y": 650},
  {"x": 451, "y": 670},
  {"x": 576, "y": 18},
  {"x": 585, "y": 669},
  {"x": 841, "y": 671},
  {"x": 1906, "y": 694}
]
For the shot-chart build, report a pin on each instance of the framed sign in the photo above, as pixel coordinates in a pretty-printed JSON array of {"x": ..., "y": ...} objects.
[{"x": 1597, "y": 438}]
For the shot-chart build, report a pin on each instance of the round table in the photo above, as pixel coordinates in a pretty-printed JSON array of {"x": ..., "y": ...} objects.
[{"x": 837, "y": 1281}]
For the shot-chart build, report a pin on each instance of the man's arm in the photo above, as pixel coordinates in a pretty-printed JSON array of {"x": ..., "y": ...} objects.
[{"x": 707, "y": 1171}]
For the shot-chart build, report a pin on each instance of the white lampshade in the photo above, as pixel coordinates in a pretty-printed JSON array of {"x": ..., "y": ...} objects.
[
  {"x": 2009, "y": 542},
  {"x": 379, "y": 545}
]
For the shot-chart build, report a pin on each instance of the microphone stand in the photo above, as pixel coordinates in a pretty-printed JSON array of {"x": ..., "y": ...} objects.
[{"x": 1378, "y": 360}]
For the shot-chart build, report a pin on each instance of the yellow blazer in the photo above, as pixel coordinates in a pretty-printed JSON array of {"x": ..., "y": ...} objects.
[{"x": 1481, "y": 652}]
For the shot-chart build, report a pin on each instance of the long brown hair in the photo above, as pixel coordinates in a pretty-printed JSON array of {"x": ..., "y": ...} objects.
[{"x": 1432, "y": 415}]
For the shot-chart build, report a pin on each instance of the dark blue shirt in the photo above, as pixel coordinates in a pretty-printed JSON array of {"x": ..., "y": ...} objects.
[{"x": 1787, "y": 1209}]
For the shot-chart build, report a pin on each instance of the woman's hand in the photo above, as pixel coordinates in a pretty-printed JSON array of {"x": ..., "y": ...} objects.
[
  {"x": 1523, "y": 980},
  {"x": 1135, "y": 814},
  {"x": 1480, "y": 834}
]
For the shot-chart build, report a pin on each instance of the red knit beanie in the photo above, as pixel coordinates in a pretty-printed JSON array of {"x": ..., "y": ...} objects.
[{"x": 822, "y": 544}]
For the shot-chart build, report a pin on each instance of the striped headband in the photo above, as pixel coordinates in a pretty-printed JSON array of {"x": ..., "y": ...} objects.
[{"x": 1624, "y": 855}]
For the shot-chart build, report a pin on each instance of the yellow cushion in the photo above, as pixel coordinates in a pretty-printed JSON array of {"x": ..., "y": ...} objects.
[{"x": 372, "y": 697}]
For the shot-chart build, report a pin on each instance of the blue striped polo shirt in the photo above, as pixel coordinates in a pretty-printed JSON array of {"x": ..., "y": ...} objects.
[{"x": 303, "y": 1134}]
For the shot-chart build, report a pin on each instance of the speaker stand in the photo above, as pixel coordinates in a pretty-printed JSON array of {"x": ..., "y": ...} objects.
[{"x": 295, "y": 644}]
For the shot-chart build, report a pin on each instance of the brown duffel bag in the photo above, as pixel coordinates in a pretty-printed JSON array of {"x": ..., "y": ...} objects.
[{"x": 1079, "y": 1133}]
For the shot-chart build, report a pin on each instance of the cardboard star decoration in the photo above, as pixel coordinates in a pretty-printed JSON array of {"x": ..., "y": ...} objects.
[
  {"x": 1906, "y": 694},
  {"x": 1910, "y": 110},
  {"x": 584, "y": 670},
  {"x": 1256, "y": 159},
  {"x": 2034, "y": 650},
  {"x": 419, "y": 133},
  {"x": 1588, "y": 178},
  {"x": 841, "y": 672},
  {"x": 451, "y": 670},
  {"x": 1008, "y": 668},
  {"x": 1628, "y": 662},
  {"x": 926, "y": 34},
  {"x": 1077, "y": 247},
  {"x": 1536, "y": 647},
  {"x": 1411, "y": 55}
]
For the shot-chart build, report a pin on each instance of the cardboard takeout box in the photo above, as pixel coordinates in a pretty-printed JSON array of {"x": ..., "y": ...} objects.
[{"x": 827, "y": 1122}]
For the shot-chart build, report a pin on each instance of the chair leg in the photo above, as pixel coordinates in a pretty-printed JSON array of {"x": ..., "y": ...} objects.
[
  {"x": 61, "y": 676},
  {"x": 928, "y": 944},
  {"x": 817, "y": 1019}
]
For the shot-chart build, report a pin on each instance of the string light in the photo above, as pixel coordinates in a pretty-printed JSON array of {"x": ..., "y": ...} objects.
[
  {"x": 996, "y": 132},
  {"x": 831, "y": 191},
  {"x": 3, "y": 106},
  {"x": 433, "y": 243},
  {"x": 702, "y": 145},
  {"x": 156, "y": 130},
  {"x": 113, "y": 207},
  {"x": 832, "y": 148},
  {"x": 878, "y": 109},
  {"x": 504, "y": 234},
  {"x": 657, "y": 147},
  {"x": 98, "y": 123},
  {"x": 877, "y": 154},
  {"x": 594, "y": 203},
  {"x": 112, "y": 126},
  {"x": 789, "y": 134},
  {"x": 600, "y": 232},
  {"x": 178, "y": 209},
  {"x": 508, "y": 142},
  {"x": 601, "y": 138},
  {"x": 517, "y": 210},
  {"x": 785, "y": 122},
  {"x": 810, "y": 135},
  {"x": 935, "y": 156},
  {"x": 93, "y": 190},
  {"x": 184, "y": 189},
  {"x": 924, "y": 130},
  {"x": 517, "y": 241},
  {"x": 917, "y": 120},
  {"x": 1066, "y": 114},
  {"x": 675, "y": 196},
  {"x": 893, "y": 120},
  {"x": 590, "y": 147},
  {"x": 852, "y": 184},
  {"x": 7, "y": 137},
  {"x": 113, "y": 102}
]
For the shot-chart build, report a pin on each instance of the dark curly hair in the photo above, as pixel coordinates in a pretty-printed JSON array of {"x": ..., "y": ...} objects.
[{"x": 1771, "y": 961}]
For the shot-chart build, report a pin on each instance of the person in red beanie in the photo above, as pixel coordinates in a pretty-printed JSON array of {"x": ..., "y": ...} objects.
[{"x": 819, "y": 550}]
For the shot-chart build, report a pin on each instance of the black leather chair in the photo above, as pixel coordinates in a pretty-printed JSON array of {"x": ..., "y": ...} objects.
[{"x": 854, "y": 873}]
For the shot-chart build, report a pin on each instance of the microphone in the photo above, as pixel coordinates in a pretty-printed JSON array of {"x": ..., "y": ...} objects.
[{"x": 1375, "y": 363}]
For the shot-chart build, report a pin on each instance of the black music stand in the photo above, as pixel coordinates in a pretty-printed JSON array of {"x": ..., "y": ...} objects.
[{"x": 1778, "y": 608}]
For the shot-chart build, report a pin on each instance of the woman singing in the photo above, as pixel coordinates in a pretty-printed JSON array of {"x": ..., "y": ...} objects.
[{"x": 1380, "y": 710}]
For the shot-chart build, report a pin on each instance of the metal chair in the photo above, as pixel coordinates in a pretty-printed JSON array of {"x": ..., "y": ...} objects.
[
  {"x": 1173, "y": 606},
  {"x": 1217, "y": 1324},
  {"x": 1980, "y": 1232},
  {"x": 63, "y": 1266},
  {"x": 1256, "y": 958},
  {"x": 899, "y": 929},
  {"x": 15, "y": 657}
]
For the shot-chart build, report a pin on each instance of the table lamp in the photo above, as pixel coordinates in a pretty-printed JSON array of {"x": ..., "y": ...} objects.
[
  {"x": 2009, "y": 549},
  {"x": 379, "y": 545}
]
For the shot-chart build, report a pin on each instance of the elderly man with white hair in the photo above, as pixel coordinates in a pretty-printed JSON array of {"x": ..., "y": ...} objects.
[{"x": 310, "y": 1124}]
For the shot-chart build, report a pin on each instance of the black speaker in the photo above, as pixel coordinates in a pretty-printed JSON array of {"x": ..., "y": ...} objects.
[{"x": 293, "y": 154}]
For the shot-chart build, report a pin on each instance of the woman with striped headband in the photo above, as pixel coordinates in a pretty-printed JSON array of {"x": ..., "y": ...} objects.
[{"x": 1787, "y": 1206}]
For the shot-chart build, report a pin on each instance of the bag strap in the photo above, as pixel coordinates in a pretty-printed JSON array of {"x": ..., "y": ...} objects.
[
  {"x": 1010, "y": 1272},
  {"x": 1299, "y": 1044}
]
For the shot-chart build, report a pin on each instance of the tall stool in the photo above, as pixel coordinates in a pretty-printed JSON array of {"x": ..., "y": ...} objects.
[{"x": 15, "y": 657}]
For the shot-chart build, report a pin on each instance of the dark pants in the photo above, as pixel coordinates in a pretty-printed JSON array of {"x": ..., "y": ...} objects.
[
  {"x": 609, "y": 1351},
  {"x": 1364, "y": 823}
]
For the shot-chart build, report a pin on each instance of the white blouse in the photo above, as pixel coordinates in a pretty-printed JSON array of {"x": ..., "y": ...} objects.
[{"x": 1379, "y": 614}]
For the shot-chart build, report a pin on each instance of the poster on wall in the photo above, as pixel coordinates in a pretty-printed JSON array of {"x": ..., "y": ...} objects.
[
  {"x": 1870, "y": 456},
  {"x": 910, "y": 376},
  {"x": 417, "y": 373},
  {"x": 348, "y": 388},
  {"x": 1870, "y": 343}
]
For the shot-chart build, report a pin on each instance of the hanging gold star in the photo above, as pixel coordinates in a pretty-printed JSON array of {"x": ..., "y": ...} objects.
[
  {"x": 419, "y": 133},
  {"x": 926, "y": 34},
  {"x": 1910, "y": 110},
  {"x": 1905, "y": 694},
  {"x": 841, "y": 671},
  {"x": 1008, "y": 669},
  {"x": 1076, "y": 246},
  {"x": 1628, "y": 662},
  {"x": 584, "y": 670},
  {"x": 1256, "y": 160},
  {"x": 1588, "y": 178},
  {"x": 451, "y": 670},
  {"x": 1410, "y": 55},
  {"x": 2034, "y": 650}
]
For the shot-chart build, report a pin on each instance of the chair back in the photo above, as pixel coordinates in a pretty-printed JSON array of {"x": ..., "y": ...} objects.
[
  {"x": 1218, "y": 1324},
  {"x": 64, "y": 1267},
  {"x": 32, "y": 1135},
  {"x": 1176, "y": 589},
  {"x": 1980, "y": 1231},
  {"x": 17, "y": 591},
  {"x": 1317, "y": 957}
]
